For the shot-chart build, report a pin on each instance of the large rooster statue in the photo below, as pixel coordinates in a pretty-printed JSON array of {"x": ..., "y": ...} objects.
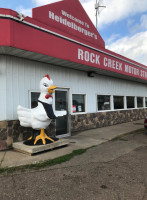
[{"x": 40, "y": 117}]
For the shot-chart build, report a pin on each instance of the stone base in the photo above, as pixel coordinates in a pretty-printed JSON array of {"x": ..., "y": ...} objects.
[
  {"x": 87, "y": 121},
  {"x": 11, "y": 131},
  {"x": 30, "y": 150}
]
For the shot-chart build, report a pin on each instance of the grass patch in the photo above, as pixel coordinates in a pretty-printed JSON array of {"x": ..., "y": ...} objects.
[{"x": 47, "y": 163}]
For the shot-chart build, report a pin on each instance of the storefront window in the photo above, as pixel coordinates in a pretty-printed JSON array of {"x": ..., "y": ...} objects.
[
  {"x": 130, "y": 102},
  {"x": 118, "y": 102},
  {"x": 145, "y": 101},
  {"x": 103, "y": 102},
  {"x": 139, "y": 102},
  {"x": 78, "y": 103},
  {"x": 34, "y": 99}
]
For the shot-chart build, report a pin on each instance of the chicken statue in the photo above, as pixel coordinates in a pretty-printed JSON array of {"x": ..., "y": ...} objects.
[{"x": 40, "y": 117}]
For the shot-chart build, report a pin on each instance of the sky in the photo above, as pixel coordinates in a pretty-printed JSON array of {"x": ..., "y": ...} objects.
[{"x": 122, "y": 24}]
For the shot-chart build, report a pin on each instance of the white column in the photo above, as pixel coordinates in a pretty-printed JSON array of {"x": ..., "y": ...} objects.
[
  {"x": 144, "y": 102},
  {"x": 3, "y": 89},
  {"x": 111, "y": 103},
  {"x": 125, "y": 102},
  {"x": 135, "y": 99}
]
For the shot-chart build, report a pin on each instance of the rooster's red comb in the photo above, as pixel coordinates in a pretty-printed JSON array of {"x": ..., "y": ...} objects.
[{"x": 47, "y": 76}]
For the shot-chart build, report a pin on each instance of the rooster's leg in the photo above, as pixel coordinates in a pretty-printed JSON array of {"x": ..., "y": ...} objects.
[
  {"x": 29, "y": 138},
  {"x": 42, "y": 136}
]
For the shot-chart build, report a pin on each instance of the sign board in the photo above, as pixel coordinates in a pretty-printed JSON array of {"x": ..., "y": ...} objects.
[{"x": 69, "y": 17}]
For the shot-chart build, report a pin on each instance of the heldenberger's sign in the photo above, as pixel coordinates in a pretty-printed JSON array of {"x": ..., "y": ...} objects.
[
  {"x": 82, "y": 28},
  {"x": 70, "y": 19}
]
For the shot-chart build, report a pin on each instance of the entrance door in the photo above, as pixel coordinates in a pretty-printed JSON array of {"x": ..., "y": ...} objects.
[{"x": 61, "y": 103}]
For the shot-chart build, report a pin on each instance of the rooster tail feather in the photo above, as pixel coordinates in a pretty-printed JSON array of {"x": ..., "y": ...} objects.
[{"x": 20, "y": 108}]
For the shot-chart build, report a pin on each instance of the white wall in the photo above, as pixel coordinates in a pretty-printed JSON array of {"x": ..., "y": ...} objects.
[
  {"x": 2, "y": 88},
  {"x": 24, "y": 75}
]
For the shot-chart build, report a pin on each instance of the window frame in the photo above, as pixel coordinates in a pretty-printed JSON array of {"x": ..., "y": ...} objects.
[
  {"x": 123, "y": 102},
  {"x": 97, "y": 94},
  {"x": 85, "y": 99},
  {"x": 32, "y": 91},
  {"x": 142, "y": 102},
  {"x": 127, "y": 104},
  {"x": 97, "y": 102},
  {"x": 145, "y": 102}
]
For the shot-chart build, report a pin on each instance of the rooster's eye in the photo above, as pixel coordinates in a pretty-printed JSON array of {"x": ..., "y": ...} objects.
[{"x": 45, "y": 85}]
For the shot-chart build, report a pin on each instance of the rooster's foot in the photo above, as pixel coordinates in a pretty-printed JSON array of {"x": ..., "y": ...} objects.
[{"x": 42, "y": 136}]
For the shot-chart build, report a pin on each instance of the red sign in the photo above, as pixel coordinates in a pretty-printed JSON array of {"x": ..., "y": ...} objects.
[
  {"x": 69, "y": 17},
  {"x": 73, "y": 108},
  {"x": 103, "y": 61}
]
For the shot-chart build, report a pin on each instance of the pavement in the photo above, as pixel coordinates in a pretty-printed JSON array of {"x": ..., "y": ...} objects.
[{"x": 80, "y": 140}]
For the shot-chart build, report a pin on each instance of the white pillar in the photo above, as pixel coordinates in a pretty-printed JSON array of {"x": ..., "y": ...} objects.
[
  {"x": 125, "y": 102},
  {"x": 135, "y": 99},
  {"x": 144, "y": 102},
  {"x": 111, "y": 103}
]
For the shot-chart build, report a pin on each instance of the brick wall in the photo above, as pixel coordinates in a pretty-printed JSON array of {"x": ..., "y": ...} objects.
[{"x": 102, "y": 119}]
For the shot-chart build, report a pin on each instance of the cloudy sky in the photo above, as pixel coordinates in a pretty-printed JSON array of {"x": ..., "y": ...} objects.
[{"x": 122, "y": 24}]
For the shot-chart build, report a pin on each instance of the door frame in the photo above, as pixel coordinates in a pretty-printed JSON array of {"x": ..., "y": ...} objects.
[{"x": 68, "y": 111}]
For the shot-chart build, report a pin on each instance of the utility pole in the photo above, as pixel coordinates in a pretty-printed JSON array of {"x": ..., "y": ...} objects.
[{"x": 99, "y": 7}]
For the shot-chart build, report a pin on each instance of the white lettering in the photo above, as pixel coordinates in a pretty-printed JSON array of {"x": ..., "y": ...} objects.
[
  {"x": 79, "y": 29},
  {"x": 75, "y": 27},
  {"x": 56, "y": 18},
  {"x": 120, "y": 66},
  {"x": 112, "y": 64},
  {"x": 105, "y": 62},
  {"x": 64, "y": 21},
  {"x": 88, "y": 57},
  {"x": 97, "y": 61},
  {"x": 92, "y": 56},
  {"x": 80, "y": 54},
  {"x": 131, "y": 70},
  {"x": 51, "y": 15},
  {"x": 70, "y": 24},
  {"x": 117, "y": 65},
  {"x": 71, "y": 17},
  {"x": 143, "y": 74},
  {"x": 109, "y": 63}
]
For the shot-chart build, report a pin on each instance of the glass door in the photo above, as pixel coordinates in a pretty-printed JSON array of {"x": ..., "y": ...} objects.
[{"x": 61, "y": 103}]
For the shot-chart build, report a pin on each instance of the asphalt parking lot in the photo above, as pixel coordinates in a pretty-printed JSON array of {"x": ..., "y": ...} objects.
[{"x": 115, "y": 170}]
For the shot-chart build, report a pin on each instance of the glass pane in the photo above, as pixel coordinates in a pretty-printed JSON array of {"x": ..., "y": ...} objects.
[
  {"x": 103, "y": 102},
  {"x": 78, "y": 102},
  {"x": 145, "y": 101},
  {"x": 139, "y": 102},
  {"x": 60, "y": 100},
  {"x": 118, "y": 102},
  {"x": 130, "y": 102},
  {"x": 61, "y": 104},
  {"x": 34, "y": 99}
]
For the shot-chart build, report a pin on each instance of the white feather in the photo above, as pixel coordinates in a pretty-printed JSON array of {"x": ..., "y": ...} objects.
[{"x": 37, "y": 117}]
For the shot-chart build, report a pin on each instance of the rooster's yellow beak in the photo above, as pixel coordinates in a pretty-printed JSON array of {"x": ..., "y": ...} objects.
[{"x": 51, "y": 89}]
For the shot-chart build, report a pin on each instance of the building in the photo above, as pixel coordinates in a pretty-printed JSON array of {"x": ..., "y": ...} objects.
[{"x": 96, "y": 86}]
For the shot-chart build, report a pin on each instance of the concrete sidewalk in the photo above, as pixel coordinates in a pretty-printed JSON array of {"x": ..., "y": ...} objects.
[{"x": 84, "y": 139}]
